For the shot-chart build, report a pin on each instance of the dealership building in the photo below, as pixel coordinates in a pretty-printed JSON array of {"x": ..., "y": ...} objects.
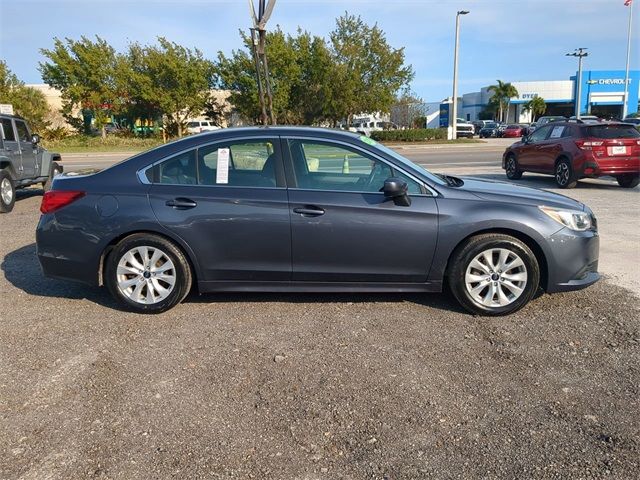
[{"x": 602, "y": 94}]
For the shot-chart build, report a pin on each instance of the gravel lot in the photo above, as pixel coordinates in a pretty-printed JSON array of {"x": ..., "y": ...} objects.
[{"x": 310, "y": 386}]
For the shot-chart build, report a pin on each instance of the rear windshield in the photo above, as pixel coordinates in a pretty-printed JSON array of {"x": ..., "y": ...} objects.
[
  {"x": 613, "y": 131},
  {"x": 512, "y": 127}
]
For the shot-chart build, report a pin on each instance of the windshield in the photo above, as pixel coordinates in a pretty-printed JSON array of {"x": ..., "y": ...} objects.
[
  {"x": 613, "y": 131},
  {"x": 491, "y": 125},
  {"x": 408, "y": 163}
]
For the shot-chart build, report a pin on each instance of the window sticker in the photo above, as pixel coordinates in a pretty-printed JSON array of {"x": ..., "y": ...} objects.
[
  {"x": 222, "y": 170},
  {"x": 367, "y": 140},
  {"x": 556, "y": 132}
]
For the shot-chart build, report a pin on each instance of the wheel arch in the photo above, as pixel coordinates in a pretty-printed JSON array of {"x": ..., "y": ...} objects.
[
  {"x": 188, "y": 254},
  {"x": 523, "y": 237}
]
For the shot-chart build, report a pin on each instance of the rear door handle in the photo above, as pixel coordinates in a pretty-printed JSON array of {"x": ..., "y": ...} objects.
[
  {"x": 181, "y": 203},
  {"x": 309, "y": 211}
]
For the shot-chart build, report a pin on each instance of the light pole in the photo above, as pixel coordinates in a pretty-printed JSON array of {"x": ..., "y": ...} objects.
[
  {"x": 580, "y": 53},
  {"x": 453, "y": 121},
  {"x": 625, "y": 104}
]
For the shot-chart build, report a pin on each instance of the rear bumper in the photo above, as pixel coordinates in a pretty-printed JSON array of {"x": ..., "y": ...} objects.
[
  {"x": 611, "y": 166},
  {"x": 573, "y": 260}
]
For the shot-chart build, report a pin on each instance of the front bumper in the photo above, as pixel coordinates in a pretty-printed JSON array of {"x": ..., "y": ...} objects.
[{"x": 573, "y": 260}]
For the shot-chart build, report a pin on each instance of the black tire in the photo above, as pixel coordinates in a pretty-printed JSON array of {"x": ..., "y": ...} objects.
[
  {"x": 463, "y": 256},
  {"x": 511, "y": 168},
  {"x": 55, "y": 170},
  {"x": 628, "y": 180},
  {"x": 564, "y": 174},
  {"x": 182, "y": 272},
  {"x": 7, "y": 192}
]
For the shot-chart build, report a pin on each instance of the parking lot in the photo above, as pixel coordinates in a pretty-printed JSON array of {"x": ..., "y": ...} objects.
[{"x": 319, "y": 386}]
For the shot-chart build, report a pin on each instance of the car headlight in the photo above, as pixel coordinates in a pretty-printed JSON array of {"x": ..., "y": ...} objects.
[{"x": 573, "y": 219}]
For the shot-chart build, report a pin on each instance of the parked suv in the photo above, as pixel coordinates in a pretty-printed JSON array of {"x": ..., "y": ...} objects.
[
  {"x": 22, "y": 161},
  {"x": 572, "y": 150}
]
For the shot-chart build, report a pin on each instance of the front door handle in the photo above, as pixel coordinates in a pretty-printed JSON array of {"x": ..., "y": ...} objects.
[
  {"x": 181, "y": 203},
  {"x": 309, "y": 211}
]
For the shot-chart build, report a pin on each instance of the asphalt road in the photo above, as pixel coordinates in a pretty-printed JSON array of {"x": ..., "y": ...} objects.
[{"x": 298, "y": 386}]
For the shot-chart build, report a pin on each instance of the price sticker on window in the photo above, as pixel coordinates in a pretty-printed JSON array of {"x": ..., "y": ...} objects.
[{"x": 222, "y": 168}]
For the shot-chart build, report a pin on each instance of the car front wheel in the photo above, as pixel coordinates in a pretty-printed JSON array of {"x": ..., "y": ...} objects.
[
  {"x": 493, "y": 274},
  {"x": 147, "y": 273},
  {"x": 629, "y": 180},
  {"x": 512, "y": 169}
]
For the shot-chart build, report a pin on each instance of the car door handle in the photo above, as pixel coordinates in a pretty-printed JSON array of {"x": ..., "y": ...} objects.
[
  {"x": 309, "y": 211},
  {"x": 181, "y": 203}
]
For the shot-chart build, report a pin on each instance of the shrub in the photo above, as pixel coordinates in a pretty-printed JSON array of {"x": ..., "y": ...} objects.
[{"x": 410, "y": 135}]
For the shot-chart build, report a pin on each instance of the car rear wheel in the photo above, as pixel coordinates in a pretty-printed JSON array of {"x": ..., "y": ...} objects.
[
  {"x": 7, "y": 192},
  {"x": 512, "y": 169},
  {"x": 565, "y": 178},
  {"x": 147, "y": 273},
  {"x": 629, "y": 180},
  {"x": 493, "y": 274}
]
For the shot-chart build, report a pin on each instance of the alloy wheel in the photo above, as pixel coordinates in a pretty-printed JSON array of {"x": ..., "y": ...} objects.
[
  {"x": 6, "y": 191},
  {"x": 562, "y": 173},
  {"x": 496, "y": 277},
  {"x": 146, "y": 275}
]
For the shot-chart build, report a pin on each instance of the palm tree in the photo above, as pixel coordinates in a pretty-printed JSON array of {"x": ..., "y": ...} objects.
[
  {"x": 503, "y": 92},
  {"x": 537, "y": 106}
]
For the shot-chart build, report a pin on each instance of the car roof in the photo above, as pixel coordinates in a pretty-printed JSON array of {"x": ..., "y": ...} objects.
[
  {"x": 283, "y": 130},
  {"x": 16, "y": 117}
]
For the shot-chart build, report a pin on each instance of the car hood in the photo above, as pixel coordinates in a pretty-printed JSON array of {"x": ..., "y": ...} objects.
[{"x": 508, "y": 192}]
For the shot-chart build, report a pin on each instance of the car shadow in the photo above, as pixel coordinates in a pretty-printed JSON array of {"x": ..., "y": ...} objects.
[
  {"x": 548, "y": 183},
  {"x": 22, "y": 270}
]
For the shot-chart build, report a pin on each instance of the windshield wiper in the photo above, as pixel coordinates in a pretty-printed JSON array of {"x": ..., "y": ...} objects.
[{"x": 451, "y": 181}]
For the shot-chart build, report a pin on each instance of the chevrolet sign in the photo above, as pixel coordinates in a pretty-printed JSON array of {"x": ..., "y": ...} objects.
[{"x": 607, "y": 81}]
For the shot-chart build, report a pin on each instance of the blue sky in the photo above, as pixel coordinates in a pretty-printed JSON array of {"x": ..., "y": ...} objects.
[{"x": 507, "y": 39}]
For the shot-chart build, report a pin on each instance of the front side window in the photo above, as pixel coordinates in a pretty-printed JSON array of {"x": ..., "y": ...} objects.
[
  {"x": 540, "y": 134},
  {"x": 23, "y": 132},
  {"x": 327, "y": 166},
  {"x": 7, "y": 128}
]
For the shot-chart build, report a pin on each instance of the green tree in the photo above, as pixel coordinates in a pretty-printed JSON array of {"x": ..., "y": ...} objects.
[
  {"x": 503, "y": 92},
  {"x": 27, "y": 102},
  {"x": 368, "y": 73},
  {"x": 85, "y": 71},
  {"x": 537, "y": 106},
  {"x": 318, "y": 81},
  {"x": 169, "y": 79}
]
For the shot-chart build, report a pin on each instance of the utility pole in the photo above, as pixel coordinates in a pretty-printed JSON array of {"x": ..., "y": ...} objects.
[
  {"x": 258, "y": 47},
  {"x": 580, "y": 53},
  {"x": 625, "y": 103},
  {"x": 453, "y": 121}
]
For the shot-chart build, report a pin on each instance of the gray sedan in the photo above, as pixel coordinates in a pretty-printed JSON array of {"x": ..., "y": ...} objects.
[{"x": 305, "y": 209}]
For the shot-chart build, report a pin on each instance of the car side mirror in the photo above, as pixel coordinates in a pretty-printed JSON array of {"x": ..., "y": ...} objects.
[
  {"x": 397, "y": 189},
  {"x": 35, "y": 139}
]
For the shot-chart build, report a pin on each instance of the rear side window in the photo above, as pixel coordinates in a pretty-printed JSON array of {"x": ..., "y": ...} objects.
[
  {"x": 179, "y": 170},
  {"x": 241, "y": 164},
  {"x": 23, "y": 132},
  {"x": 612, "y": 131},
  {"x": 7, "y": 127}
]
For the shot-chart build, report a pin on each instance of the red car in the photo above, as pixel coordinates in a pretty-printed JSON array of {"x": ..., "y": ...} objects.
[
  {"x": 513, "y": 131},
  {"x": 574, "y": 149}
]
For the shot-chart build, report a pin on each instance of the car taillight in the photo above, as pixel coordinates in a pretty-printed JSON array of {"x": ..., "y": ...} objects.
[
  {"x": 588, "y": 144},
  {"x": 56, "y": 199}
]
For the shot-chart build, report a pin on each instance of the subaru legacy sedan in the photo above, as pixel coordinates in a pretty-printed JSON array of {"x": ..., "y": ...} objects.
[{"x": 308, "y": 210}]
